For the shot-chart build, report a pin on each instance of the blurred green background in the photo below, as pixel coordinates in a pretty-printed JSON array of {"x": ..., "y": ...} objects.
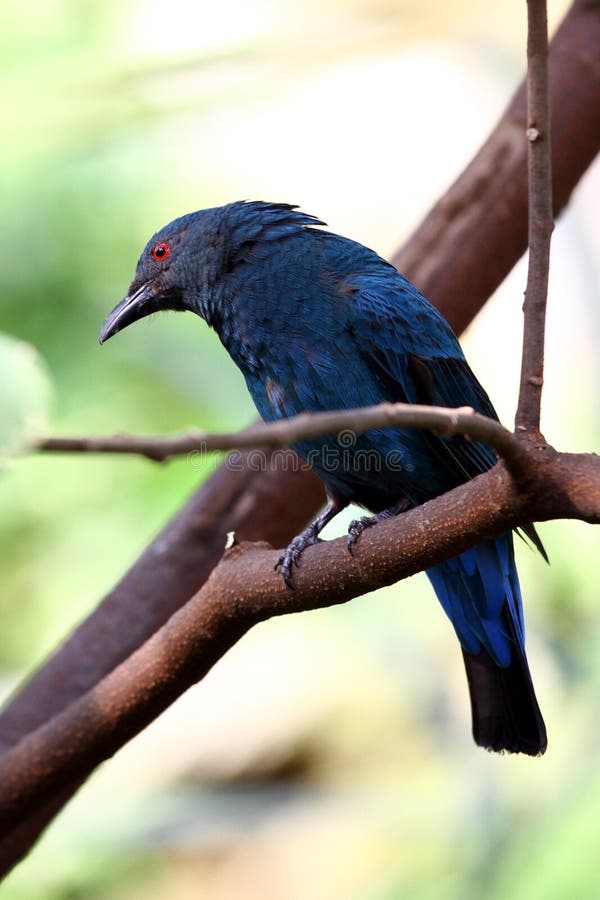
[{"x": 328, "y": 755}]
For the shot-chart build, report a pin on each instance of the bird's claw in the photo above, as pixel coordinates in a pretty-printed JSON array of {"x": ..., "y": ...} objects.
[
  {"x": 356, "y": 528},
  {"x": 292, "y": 553},
  {"x": 285, "y": 563}
]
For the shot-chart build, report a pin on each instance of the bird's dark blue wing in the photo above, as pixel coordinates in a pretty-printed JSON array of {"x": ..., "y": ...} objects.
[
  {"x": 415, "y": 355},
  {"x": 416, "y": 358}
]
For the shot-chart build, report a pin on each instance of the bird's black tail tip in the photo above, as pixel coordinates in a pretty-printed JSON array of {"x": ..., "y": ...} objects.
[{"x": 506, "y": 715}]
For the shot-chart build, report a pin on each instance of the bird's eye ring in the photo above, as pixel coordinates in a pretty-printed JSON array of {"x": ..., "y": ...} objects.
[{"x": 161, "y": 251}]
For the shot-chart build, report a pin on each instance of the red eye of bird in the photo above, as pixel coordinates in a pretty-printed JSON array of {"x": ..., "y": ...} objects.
[{"x": 160, "y": 251}]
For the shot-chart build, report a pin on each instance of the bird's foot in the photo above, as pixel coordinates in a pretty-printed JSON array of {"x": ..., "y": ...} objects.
[
  {"x": 357, "y": 526},
  {"x": 292, "y": 553}
]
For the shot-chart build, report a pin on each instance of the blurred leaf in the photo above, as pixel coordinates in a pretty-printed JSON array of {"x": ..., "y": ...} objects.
[{"x": 25, "y": 395}]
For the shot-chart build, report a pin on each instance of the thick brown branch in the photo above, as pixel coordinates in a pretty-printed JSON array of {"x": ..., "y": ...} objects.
[
  {"x": 253, "y": 503},
  {"x": 541, "y": 222},
  {"x": 244, "y": 589},
  {"x": 473, "y": 236},
  {"x": 345, "y": 423}
]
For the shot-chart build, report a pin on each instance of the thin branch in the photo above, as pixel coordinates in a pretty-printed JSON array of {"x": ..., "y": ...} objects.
[
  {"x": 346, "y": 424},
  {"x": 244, "y": 590},
  {"x": 541, "y": 222}
]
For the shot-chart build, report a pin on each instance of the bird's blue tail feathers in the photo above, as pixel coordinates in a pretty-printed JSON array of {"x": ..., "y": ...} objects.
[
  {"x": 480, "y": 593},
  {"x": 478, "y": 589}
]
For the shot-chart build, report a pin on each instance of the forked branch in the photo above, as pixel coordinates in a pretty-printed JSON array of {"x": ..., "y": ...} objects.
[{"x": 244, "y": 589}]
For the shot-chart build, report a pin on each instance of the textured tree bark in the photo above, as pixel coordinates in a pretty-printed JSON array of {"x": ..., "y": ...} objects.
[{"x": 244, "y": 589}]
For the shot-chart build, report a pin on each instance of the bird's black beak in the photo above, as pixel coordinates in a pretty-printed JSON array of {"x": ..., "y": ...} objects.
[{"x": 136, "y": 305}]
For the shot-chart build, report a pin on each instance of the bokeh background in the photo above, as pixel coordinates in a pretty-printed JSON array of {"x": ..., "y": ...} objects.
[{"x": 328, "y": 755}]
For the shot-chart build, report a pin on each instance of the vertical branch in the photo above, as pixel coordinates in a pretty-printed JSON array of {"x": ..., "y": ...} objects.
[{"x": 540, "y": 219}]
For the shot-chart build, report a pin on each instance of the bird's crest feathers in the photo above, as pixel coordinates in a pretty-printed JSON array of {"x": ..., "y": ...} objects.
[{"x": 248, "y": 222}]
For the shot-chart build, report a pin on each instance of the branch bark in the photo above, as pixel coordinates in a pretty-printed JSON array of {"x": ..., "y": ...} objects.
[{"x": 244, "y": 590}]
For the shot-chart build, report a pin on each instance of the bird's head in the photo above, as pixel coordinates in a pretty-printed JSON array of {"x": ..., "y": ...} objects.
[
  {"x": 170, "y": 275},
  {"x": 184, "y": 262}
]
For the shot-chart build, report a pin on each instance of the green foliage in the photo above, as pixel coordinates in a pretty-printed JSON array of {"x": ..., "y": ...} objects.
[{"x": 25, "y": 395}]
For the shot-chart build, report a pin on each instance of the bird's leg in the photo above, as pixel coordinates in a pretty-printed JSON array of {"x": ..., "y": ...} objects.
[
  {"x": 292, "y": 553},
  {"x": 357, "y": 526}
]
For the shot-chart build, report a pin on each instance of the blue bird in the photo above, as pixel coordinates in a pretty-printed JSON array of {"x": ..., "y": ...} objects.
[{"x": 316, "y": 321}]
